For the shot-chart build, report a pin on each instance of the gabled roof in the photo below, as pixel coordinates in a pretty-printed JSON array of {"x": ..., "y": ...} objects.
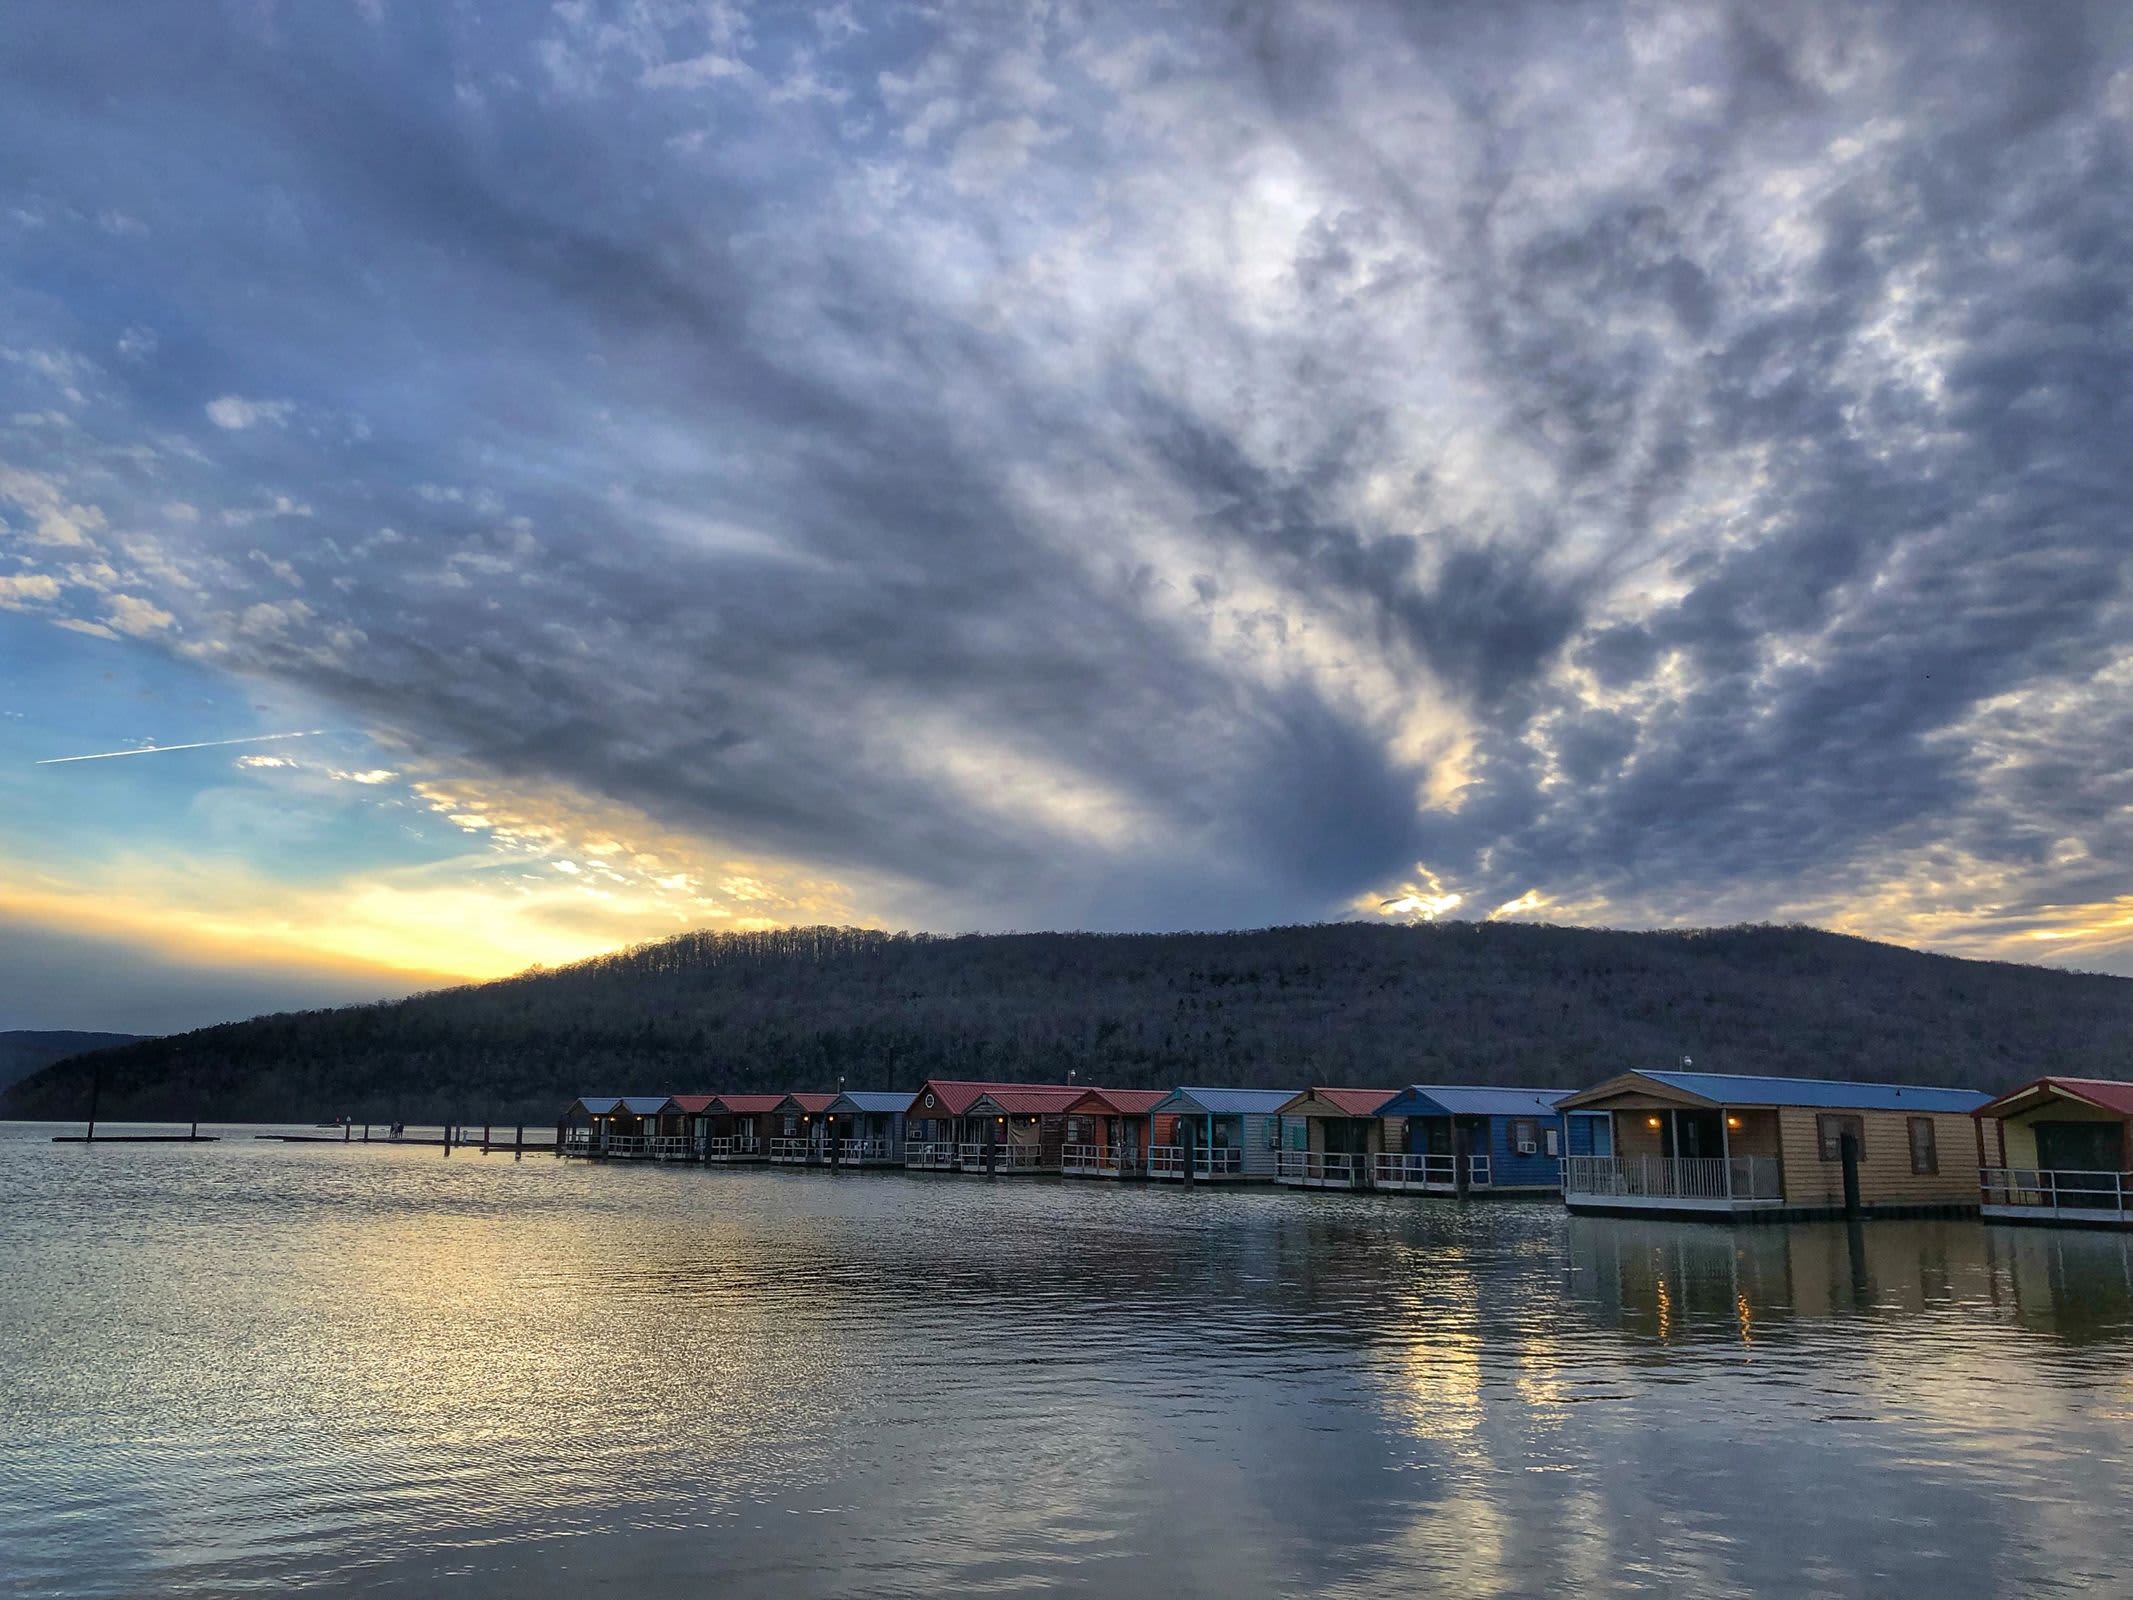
[
  {"x": 1023, "y": 1102},
  {"x": 954, "y": 1096},
  {"x": 1823, "y": 1094},
  {"x": 597, "y": 1105},
  {"x": 2106, "y": 1094},
  {"x": 747, "y": 1105},
  {"x": 644, "y": 1105},
  {"x": 691, "y": 1104},
  {"x": 1465, "y": 1100},
  {"x": 812, "y": 1104},
  {"x": 1344, "y": 1102},
  {"x": 1226, "y": 1102},
  {"x": 1120, "y": 1102},
  {"x": 875, "y": 1101}
]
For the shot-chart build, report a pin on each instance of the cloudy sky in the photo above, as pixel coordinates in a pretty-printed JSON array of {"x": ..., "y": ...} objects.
[{"x": 681, "y": 463}]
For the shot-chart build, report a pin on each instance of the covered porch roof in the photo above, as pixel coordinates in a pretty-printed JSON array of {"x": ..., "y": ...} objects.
[
  {"x": 1117, "y": 1102},
  {"x": 2100, "y": 1094},
  {"x": 1333, "y": 1102},
  {"x": 1456, "y": 1100},
  {"x": 1225, "y": 1102}
]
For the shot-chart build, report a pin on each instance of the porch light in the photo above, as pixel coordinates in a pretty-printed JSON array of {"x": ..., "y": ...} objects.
[
  {"x": 1653, "y": 1122},
  {"x": 1733, "y": 1122}
]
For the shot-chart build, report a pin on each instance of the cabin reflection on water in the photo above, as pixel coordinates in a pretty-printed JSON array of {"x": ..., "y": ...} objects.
[{"x": 1668, "y": 1282}]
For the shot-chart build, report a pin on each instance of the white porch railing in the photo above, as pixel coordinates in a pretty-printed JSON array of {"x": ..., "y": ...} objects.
[
  {"x": 1397, "y": 1170},
  {"x": 1318, "y": 1168},
  {"x": 2046, "y": 1190},
  {"x": 669, "y": 1147},
  {"x": 792, "y": 1149},
  {"x": 933, "y": 1156},
  {"x": 730, "y": 1147},
  {"x": 1672, "y": 1177},
  {"x": 1168, "y": 1161},
  {"x": 1006, "y": 1157},
  {"x": 1082, "y": 1159},
  {"x": 862, "y": 1149}
]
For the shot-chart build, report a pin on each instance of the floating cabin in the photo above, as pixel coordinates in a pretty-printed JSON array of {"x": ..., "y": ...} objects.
[
  {"x": 738, "y": 1127},
  {"x": 2055, "y": 1151},
  {"x": 869, "y": 1124},
  {"x": 1228, "y": 1135},
  {"x": 1713, "y": 1144},
  {"x": 799, "y": 1130},
  {"x": 1109, "y": 1133},
  {"x": 953, "y": 1126},
  {"x": 1511, "y": 1139},
  {"x": 690, "y": 1117},
  {"x": 1331, "y": 1137},
  {"x": 614, "y": 1125}
]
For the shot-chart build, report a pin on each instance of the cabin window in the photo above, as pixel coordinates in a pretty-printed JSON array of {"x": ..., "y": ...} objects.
[
  {"x": 1830, "y": 1129},
  {"x": 1523, "y": 1135},
  {"x": 1925, "y": 1154}
]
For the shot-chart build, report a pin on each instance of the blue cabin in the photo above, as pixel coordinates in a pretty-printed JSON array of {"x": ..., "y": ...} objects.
[
  {"x": 869, "y": 1124},
  {"x": 1224, "y": 1133},
  {"x": 1513, "y": 1140}
]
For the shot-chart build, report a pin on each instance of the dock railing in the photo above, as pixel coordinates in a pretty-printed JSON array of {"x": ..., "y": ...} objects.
[
  {"x": 1083, "y": 1160},
  {"x": 859, "y": 1150},
  {"x": 1752, "y": 1178},
  {"x": 1168, "y": 1161},
  {"x": 731, "y": 1147},
  {"x": 1007, "y": 1157},
  {"x": 787, "y": 1149},
  {"x": 1319, "y": 1169},
  {"x": 1402, "y": 1171},
  {"x": 2046, "y": 1190},
  {"x": 929, "y": 1155}
]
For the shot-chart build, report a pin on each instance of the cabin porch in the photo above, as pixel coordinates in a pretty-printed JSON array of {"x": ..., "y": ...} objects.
[
  {"x": 1719, "y": 1160},
  {"x": 2056, "y": 1151}
]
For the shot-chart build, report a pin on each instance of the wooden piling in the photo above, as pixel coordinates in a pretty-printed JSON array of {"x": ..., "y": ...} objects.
[
  {"x": 1848, "y": 1149},
  {"x": 96, "y": 1093},
  {"x": 518, "y": 1144},
  {"x": 1462, "y": 1170}
]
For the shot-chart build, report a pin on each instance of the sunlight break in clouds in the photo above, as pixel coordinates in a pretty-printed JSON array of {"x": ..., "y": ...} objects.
[{"x": 1129, "y": 468}]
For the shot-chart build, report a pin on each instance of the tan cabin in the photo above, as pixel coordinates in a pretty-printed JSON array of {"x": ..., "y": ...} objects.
[
  {"x": 2055, "y": 1150},
  {"x": 1711, "y": 1143}
]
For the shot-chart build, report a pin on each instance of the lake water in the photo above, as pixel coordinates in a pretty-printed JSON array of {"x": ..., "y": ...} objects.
[{"x": 247, "y": 1366}]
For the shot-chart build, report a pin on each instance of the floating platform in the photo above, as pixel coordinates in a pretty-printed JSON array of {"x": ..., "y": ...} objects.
[{"x": 136, "y": 1138}]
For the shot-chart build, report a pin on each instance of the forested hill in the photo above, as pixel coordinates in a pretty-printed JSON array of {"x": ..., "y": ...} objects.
[
  {"x": 27, "y": 1050},
  {"x": 1340, "y": 1003}
]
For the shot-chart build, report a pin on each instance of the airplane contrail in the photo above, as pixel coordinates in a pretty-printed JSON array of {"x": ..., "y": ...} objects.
[{"x": 159, "y": 749}]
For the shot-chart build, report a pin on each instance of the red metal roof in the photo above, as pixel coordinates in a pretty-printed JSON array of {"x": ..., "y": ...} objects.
[
  {"x": 747, "y": 1105},
  {"x": 952, "y": 1097},
  {"x": 2107, "y": 1093},
  {"x": 811, "y": 1102},
  {"x": 1031, "y": 1101},
  {"x": 1351, "y": 1102},
  {"x": 691, "y": 1104},
  {"x": 1120, "y": 1102}
]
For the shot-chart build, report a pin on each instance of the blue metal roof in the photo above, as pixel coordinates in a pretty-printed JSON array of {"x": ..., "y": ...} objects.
[
  {"x": 597, "y": 1105},
  {"x": 643, "y": 1105},
  {"x": 875, "y": 1099},
  {"x": 1464, "y": 1100},
  {"x": 1224, "y": 1102},
  {"x": 1835, "y": 1094}
]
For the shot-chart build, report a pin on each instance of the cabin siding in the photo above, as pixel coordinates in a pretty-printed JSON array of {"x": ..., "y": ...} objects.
[
  {"x": 1510, "y": 1170},
  {"x": 1885, "y": 1176}
]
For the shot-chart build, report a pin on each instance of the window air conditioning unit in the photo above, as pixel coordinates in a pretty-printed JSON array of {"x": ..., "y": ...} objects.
[{"x": 1527, "y": 1147}]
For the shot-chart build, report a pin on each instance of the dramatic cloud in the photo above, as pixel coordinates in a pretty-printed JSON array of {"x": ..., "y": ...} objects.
[{"x": 1014, "y": 466}]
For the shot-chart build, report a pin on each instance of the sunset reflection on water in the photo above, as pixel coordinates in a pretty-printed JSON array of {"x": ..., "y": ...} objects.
[{"x": 246, "y": 1364}]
